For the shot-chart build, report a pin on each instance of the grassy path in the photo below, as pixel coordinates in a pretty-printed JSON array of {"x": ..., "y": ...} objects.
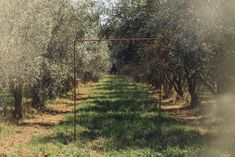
[{"x": 119, "y": 119}]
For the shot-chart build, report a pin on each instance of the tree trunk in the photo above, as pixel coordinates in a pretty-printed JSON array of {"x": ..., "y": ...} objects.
[
  {"x": 17, "y": 92},
  {"x": 179, "y": 90},
  {"x": 177, "y": 84},
  {"x": 167, "y": 90},
  {"x": 36, "y": 99},
  {"x": 194, "y": 99},
  {"x": 192, "y": 84}
]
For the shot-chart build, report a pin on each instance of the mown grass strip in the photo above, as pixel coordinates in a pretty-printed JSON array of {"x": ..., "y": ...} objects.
[{"x": 119, "y": 119}]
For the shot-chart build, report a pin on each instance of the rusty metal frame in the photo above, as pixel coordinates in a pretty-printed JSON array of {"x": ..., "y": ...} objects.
[{"x": 77, "y": 40}]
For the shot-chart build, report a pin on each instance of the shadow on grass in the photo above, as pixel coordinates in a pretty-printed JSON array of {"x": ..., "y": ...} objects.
[{"x": 124, "y": 116}]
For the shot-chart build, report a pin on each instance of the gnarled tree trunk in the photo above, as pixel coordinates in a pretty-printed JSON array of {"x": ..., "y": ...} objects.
[
  {"x": 37, "y": 101},
  {"x": 17, "y": 92},
  {"x": 192, "y": 86}
]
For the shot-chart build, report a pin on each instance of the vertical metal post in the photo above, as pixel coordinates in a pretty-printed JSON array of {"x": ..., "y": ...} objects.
[
  {"x": 74, "y": 93},
  {"x": 160, "y": 104},
  {"x": 160, "y": 96}
]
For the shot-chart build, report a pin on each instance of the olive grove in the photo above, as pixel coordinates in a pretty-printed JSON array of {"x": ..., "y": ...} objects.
[
  {"x": 117, "y": 78},
  {"x": 36, "y": 48},
  {"x": 195, "y": 43}
]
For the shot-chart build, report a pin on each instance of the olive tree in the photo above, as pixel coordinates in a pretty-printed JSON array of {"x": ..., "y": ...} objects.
[
  {"x": 19, "y": 55},
  {"x": 37, "y": 47},
  {"x": 194, "y": 43}
]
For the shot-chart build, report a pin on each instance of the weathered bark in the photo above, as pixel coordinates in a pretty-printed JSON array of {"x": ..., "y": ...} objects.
[
  {"x": 17, "y": 92},
  {"x": 177, "y": 84},
  {"x": 36, "y": 99},
  {"x": 192, "y": 86},
  {"x": 167, "y": 90},
  {"x": 192, "y": 80},
  {"x": 179, "y": 89}
]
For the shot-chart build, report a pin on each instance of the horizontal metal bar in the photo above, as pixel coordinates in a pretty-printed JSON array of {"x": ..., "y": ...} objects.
[{"x": 117, "y": 39}]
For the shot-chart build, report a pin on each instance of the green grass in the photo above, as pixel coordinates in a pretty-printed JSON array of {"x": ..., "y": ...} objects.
[
  {"x": 5, "y": 99},
  {"x": 65, "y": 100},
  {"x": 120, "y": 119},
  {"x": 6, "y": 129}
]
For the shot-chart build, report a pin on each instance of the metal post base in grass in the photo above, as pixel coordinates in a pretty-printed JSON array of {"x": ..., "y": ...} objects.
[
  {"x": 74, "y": 93},
  {"x": 159, "y": 116}
]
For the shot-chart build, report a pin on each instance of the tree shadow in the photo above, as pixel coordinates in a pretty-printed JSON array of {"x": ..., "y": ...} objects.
[{"x": 126, "y": 117}]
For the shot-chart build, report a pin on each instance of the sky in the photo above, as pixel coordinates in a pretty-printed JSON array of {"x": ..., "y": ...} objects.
[{"x": 106, "y": 3}]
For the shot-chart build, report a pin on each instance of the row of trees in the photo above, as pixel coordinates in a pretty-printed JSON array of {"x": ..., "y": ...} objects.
[
  {"x": 36, "y": 48},
  {"x": 195, "y": 43}
]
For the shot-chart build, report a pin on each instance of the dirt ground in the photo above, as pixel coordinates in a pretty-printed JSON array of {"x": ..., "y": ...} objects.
[{"x": 40, "y": 125}]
